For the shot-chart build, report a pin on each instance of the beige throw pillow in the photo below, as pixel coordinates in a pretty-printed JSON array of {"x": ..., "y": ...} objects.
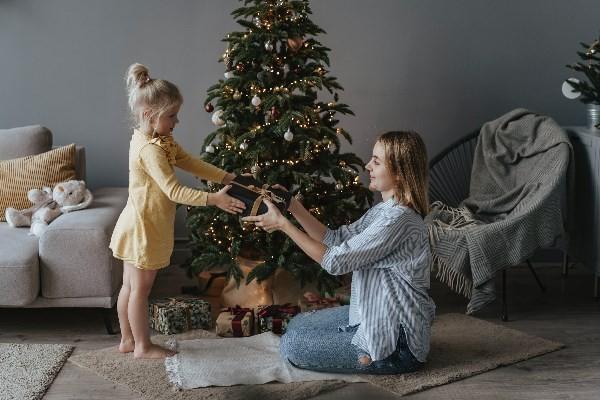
[{"x": 19, "y": 175}]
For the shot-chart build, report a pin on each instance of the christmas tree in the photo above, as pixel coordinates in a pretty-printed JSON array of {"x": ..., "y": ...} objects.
[{"x": 275, "y": 115}]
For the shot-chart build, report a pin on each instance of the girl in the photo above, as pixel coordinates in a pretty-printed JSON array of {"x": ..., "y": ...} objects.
[
  {"x": 386, "y": 328},
  {"x": 144, "y": 234}
]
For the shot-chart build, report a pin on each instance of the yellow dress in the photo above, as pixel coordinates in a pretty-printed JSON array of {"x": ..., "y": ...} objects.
[{"x": 144, "y": 233}]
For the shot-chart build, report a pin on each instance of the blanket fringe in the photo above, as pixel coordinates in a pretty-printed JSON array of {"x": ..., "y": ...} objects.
[
  {"x": 172, "y": 365},
  {"x": 458, "y": 283},
  {"x": 459, "y": 218}
]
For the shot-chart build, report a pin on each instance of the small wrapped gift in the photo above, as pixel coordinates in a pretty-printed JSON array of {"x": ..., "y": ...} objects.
[
  {"x": 313, "y": 301},
  {"x": 275, "y": 318},
  {"x": 252, "y": 193},
  {"x": 179, "y": 314},
  {"x": 235, "y": 322}
]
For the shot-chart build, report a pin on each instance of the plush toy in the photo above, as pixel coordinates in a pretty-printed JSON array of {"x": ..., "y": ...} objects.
[{"x": 48, "y": 204}]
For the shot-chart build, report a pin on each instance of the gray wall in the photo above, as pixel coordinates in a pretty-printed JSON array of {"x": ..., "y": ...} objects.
[{"x": 439, "y": 67}]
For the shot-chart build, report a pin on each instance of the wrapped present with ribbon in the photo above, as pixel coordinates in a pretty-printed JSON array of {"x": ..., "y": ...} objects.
[
  {"x": 235, "y": 322},
  {"x": 312, "y": 301},
  {"x": 179, "y": 314},
  {"x": 252, "y": 193},
  {"x": 275, "y": 317}
]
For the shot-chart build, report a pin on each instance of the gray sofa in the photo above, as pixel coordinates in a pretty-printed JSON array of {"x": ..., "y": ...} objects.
[{"x": 71, "y": 264}]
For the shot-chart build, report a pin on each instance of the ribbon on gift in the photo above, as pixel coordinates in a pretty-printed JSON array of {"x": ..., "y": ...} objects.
[
  {"x": 263, "y": 193},
  {"x": 277, "y": 312},
  {"x": 236, "y": 323}
]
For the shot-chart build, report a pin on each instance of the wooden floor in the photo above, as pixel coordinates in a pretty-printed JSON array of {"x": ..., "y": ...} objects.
[{"x": 566, "y": 312}]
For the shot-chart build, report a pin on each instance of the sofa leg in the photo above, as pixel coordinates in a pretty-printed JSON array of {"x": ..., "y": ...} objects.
[{"x": 109, "y": 315}]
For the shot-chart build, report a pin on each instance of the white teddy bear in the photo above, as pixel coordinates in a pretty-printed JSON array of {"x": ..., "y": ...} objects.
[{"x": 48, "y": 204}]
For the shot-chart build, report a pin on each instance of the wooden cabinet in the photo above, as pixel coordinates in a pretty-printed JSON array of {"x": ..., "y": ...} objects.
[{"x": 584, "y": 243}]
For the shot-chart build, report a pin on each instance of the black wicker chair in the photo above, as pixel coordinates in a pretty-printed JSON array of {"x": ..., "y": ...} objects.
[{"x": 449, "y": 180}]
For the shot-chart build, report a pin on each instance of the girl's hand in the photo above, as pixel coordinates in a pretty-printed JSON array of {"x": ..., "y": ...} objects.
[
  {"x": 225, "y": 202},
  {"x": 270, "y": 221}
]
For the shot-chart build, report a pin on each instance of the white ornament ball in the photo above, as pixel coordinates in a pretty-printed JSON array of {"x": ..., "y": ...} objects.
[
  {"x": 269, "y": 46},
  {"x": 256, "y": 101},
  {"x": 216, "y": 118},
  {"x": 228, "y": 74},
  {"x": 289, "y": 136},
  {"x": 568, "y": 91},
  {"x": 339, "y": 186},
  {"x": 210, "y": 148},
  {"x": 243, "y": 145}
]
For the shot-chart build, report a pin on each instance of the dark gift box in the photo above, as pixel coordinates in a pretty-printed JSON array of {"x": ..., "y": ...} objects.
[
  {"x": 252, "y": 193},
  {"x": 275, "y": 318}
]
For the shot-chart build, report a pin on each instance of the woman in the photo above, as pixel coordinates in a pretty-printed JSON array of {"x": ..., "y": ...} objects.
[{"x": 386, "y": 329}]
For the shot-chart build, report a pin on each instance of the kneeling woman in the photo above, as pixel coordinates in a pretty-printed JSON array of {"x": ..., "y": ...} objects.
[{"x": 386, "y": 329}]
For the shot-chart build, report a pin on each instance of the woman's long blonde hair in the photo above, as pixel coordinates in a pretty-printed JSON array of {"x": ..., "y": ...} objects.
[
  {"x": 406, "y": 160},
  {"x": 145, "y": 93}
]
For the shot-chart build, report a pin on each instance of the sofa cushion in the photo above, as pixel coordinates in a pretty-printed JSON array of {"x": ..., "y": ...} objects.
[
  {"x": 75, "y": 260},
  {"x": 19, "y": 175},
  {"x": 24, "y": 141},
  {"x": 19, "y": 268}
]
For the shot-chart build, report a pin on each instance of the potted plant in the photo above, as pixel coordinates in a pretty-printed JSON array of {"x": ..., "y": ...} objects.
[{"x": 588, "y": 91}]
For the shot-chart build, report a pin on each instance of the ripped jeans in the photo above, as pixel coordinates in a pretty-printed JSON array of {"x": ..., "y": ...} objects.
[{"x": 313, "y": 341}]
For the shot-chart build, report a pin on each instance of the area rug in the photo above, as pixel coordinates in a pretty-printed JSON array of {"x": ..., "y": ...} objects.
[
  {"x": 461, "y": 346},
  {"x": 27, "y": 370}
]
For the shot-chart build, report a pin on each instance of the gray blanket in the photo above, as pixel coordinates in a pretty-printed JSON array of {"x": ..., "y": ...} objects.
[{"x": 516, "y": 204}]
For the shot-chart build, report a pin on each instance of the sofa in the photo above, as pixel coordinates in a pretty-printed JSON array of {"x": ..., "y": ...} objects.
[{"x": 70, "y": 265}]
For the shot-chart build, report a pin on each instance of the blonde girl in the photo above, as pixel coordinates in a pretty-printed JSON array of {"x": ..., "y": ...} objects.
[
  {"x": 386, "y": 329},
  {"x": 144, "y": 234}
]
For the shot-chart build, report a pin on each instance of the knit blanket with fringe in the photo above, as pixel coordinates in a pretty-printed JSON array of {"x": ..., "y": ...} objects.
[{"x": 517, "y": 203}]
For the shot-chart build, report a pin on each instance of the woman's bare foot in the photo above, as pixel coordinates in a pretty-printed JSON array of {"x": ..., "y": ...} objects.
[
  {"x": 126, "y": 346},
  {"x": 153, "y": 351}
]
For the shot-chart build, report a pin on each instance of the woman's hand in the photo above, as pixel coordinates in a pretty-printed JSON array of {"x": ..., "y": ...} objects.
[
  {"x": 270, "y": 221},
  {"x": 293, "y": 203},
  {"x": 225, "y": 202}
]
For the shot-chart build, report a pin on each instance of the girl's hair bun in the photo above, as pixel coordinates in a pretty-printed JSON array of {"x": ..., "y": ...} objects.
[{"x": 137, "y": 76}]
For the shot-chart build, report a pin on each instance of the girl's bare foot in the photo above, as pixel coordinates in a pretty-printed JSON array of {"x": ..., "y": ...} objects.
[
  {"x": 153, "y": 351},
  {"x": 126, "y": 346}
]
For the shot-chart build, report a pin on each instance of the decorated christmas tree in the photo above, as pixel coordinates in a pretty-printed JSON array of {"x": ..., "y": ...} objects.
[{"x": 275, "y": 113}]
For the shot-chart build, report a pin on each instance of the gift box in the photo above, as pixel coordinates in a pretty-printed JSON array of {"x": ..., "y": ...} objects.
[
  {"x": 179, "y": 314},
  {"x": 312, "y": 302},
  {"x": 275, "y": 318},
  {"x": 235, "y": 322},
  {"x": 252, "y": 193}
]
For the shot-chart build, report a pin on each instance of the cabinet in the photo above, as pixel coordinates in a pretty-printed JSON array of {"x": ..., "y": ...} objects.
[{"x": 584, "y": 243}]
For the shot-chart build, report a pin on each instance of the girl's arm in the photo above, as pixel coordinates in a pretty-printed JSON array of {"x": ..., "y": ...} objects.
[
  {"x": 201, "y": 168},
  {"x": 154, "y": 162}
]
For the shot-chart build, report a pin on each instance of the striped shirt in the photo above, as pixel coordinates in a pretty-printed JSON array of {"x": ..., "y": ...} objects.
[{"x": 387, "y": 250}]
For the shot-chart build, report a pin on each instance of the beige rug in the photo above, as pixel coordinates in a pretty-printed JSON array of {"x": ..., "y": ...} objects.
[
  {"x": 461, "y": 346},
  {"x": 27, "y": 370}
]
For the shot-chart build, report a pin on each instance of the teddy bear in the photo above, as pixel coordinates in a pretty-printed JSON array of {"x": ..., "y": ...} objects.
[{"x": 48, "y": 204}]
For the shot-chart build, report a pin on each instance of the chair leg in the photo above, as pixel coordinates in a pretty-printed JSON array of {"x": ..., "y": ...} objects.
[
  {"x": 108, "y": 315},
  {"x": 504, "y": 316},
  {"x": 565, "y": 264},
  {"x": 535, "y": 275}
]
